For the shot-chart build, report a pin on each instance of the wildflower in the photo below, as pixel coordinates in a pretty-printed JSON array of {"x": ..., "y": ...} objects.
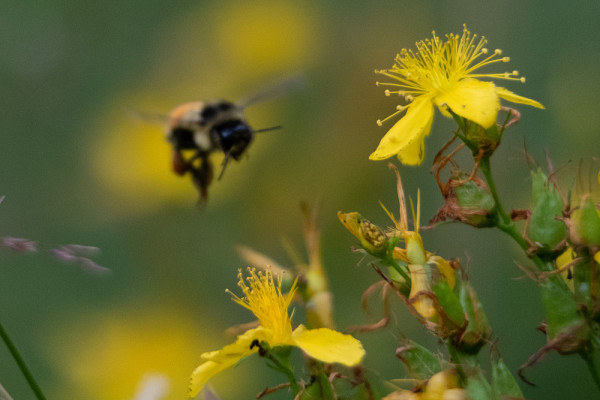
[
  {"x": 442, "y": 73},
  {"x": 262, "y": 296}
]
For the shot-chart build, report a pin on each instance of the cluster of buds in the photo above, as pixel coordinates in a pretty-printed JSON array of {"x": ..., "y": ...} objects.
[{"x": 440, "y": 297}]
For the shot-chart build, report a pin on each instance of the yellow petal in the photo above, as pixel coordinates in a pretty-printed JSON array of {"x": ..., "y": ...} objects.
[
  {"x": 414, "y": 153},
  {"x": 445, "y": 269},
  {"x": 403, "y": 395},
  {"x": 597, "y": 257},
  {"x": 420, "y": 282},
  {"x": 329, "y": 346},
  {"x": 515, "y": 98},
  {"x": 400, "y": 254},
  {"x": 474, "y": 100},
  {"x": 411, "y": 128},
  {"x": 220, "y": 360},
  {"x": 562, "y": 261}
]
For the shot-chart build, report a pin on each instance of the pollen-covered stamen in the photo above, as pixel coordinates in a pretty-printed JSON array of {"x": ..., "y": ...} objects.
[
  {"x": 399, "y": 108},
  {"x": 436, "y": 64},
  {"x": 262, "y": 296}
]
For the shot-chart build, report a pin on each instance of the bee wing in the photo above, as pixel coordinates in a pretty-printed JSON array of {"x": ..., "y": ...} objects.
[
  {"x": 274, "y": 90},
  {"x": 150, "y": 117}
]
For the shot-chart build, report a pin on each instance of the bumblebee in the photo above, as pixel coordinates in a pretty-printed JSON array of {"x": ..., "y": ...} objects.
[{"x": 200, "y": 128}]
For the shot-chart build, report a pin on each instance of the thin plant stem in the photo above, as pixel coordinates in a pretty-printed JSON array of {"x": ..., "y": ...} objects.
[
  {"x": 284, "y": 368},
  {"x": 505, "y": 223},
  {"x": 21, "y": 364}
]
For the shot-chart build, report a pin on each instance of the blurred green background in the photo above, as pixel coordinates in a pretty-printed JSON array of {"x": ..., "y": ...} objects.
[{"x": 77, "y": 167}]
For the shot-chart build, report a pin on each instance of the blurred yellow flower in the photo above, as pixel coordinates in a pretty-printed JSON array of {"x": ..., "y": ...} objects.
[
  {"x": 262, "y": 296},
  {"x": 116, "y": 354},
  {"x": 442, "y": 74},
  {"x": 255, "y": 36}
]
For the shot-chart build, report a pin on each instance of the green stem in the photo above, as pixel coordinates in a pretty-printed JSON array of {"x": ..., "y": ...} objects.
[
  {"x": 21, "y": 363},
  {"x": 505, "y": 223},
  {"x": 282, "y": 367}
]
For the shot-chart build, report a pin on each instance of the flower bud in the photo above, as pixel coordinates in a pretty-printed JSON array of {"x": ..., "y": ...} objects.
[
  {"x": 371, "y": 237},
  {"x": 415, "y": 252},
  {"x": 480, "y": 140},
  {"x": 544, "y": 229}
]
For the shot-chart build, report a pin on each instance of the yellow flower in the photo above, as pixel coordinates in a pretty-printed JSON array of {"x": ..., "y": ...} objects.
[
  {"x": 262, "y": 296},
  {"x": 442, "y": 73},
  {"x": 107, "y": 355}
]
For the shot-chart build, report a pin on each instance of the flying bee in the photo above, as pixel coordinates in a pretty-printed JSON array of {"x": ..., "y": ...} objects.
[{"x": 200, "y": 128}]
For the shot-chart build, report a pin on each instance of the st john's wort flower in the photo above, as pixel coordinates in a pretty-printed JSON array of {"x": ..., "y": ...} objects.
[
  {"x": 443, "y": 74},
  {"x": 263, "y": 296}
]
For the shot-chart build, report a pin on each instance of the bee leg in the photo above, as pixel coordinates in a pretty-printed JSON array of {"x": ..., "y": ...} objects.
[
  {"x": 202, "y": 177},
  {"x": 178, "y": 163},
  {"x": 224, "y": 164}
]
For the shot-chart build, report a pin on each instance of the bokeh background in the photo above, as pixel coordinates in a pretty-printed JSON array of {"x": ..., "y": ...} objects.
[{"x": 77, "y": 166}]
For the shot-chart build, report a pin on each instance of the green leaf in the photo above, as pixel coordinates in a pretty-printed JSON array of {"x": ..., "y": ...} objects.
[
  {"x": 421, "y": 362},
  {"x": 478, "y": 330},
  {"x": 503, "y": 381},
  {"x": 449, "y": 302}
]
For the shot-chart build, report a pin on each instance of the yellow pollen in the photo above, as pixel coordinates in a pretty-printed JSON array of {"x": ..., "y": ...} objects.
[
  {"x": 262, "y": 296},
  {"x": 436, "y": 64},
  {"x": 522, "y": 79}
]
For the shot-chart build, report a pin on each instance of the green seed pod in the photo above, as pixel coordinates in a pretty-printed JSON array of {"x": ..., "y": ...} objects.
[
  {"x": 544, "y": 229},
  {"x": 586, "y": 225},
  {"x": 467, "y": 201}
]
